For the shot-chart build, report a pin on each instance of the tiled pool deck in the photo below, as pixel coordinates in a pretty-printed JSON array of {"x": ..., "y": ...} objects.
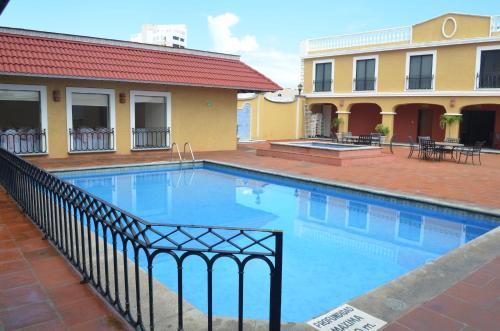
[{"x": 39, "y": 290}]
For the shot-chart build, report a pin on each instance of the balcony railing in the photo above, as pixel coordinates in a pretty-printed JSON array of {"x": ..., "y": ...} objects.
[
  {"x": 420, "y": 82},
  {"x": 322, "y": 85},
  {"x": 495, "y": 23},
  {"x": 118, "y": 253},
  {"x": 394, "y": 35},
  {"x": 488, "y": 80},
  {"x": 150, "y": 138},
  {"x": 364, "y": 84},
  {"x": 87, "y": 140},
  {"x": 29, "y": 141}
]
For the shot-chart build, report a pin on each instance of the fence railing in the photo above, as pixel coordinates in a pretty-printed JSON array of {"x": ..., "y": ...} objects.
[
  {"x": 117, "y": 252},
  {"x": 150, "y": 138},
  {"x": 83, "y": 140},
  {"x": 364, "y": 84},
  {"x": 29, "y": 142},
  {"x": 419, "y": 82},
  {"x": 488, "y": 80}
]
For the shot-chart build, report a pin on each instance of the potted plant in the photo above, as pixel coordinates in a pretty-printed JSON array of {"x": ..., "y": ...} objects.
[
  {"x": 336, "y": 123},
  {"x": 383, "y": 131},
  {"x": 445, "y": 121}
]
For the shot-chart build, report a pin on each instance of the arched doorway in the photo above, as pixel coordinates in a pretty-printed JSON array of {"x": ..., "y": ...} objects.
[
  {"x": 481, "y": 123},
  {"x": 319, "y": 120},
  {"x": 364, "y": 117},
  {"x": 243, "y": 122},
  {"x": 418, "y": 119}
]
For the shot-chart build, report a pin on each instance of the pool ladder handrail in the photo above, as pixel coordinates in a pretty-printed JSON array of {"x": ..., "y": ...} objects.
[
  {"x": 172, "y": 152},
  {"x": 190, "y": 151}
]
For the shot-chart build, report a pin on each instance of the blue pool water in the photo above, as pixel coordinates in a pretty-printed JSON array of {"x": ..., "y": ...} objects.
[{"x": 338, "y": 244}]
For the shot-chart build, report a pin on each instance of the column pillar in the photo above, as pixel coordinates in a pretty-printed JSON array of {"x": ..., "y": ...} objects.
[
  {"x": 344, "y": 116},
  {"x": 452, "y": 130},
  {"x": 388, "y": 121}
]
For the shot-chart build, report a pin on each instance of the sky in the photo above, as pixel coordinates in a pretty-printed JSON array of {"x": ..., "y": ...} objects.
[{"x": 267, "y": 34}]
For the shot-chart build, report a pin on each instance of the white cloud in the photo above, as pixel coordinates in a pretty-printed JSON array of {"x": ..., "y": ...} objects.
[
  {"x": 224, "y": 41},
  {"x": 279, "y": 66}
]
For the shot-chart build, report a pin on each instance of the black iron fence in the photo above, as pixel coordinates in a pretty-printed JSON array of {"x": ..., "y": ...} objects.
[
  {"x": 24, "y": 142},
  {"x": 364, "y": 84},
  {"x": 488, "y": 80},
  {"x": 83, "y": 140},
  {"x": 419, "y": 82},
  {"x": 117, "y": 252},
  {"x": 150, "y": 138}
]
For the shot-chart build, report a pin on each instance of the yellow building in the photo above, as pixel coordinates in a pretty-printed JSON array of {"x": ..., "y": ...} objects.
[
  {"x": 64, "y": 94},
  {"x": 270, "y": 116},
  {"x": 408, "y": 77}
]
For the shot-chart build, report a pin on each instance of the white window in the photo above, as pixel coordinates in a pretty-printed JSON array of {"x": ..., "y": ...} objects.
[
  {"x": 23, "y": 118},
  {"x": 365, "y": 72},
  {"x": 150, "y": 116},
  {"x": 488, "y": 67},
  {"x": 420, "y": 70},
  {"x": 90, "y": 119},
  {"x": 323, "y": 72}
]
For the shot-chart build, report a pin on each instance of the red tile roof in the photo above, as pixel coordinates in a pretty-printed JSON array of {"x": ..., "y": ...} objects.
[{"x": 43, "y": 54}]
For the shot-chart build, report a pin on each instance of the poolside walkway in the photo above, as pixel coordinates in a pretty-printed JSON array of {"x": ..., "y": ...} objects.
[
  {"x": 39, "y": 290},
  {"x": 471, "y": 304}
]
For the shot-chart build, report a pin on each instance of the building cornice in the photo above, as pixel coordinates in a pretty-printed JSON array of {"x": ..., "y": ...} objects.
[
  {"x": 398, "y": 47},
  {"x": 478, "y": 93}
]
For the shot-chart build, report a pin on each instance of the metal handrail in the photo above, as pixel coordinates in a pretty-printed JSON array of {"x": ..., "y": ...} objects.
[
  {"x": 117, "y": 252},
  {"x": 172, "y": 152},
  {"x": 190, "y": 150}
]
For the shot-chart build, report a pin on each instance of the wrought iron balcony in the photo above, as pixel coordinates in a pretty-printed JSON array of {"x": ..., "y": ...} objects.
[
  {"x": 87, "y": 140},
  {"x": 150, "y": 138},
  {"x": 31, "y": 141},
  {"x": 488, "y": 80},
  {"x": 364, "y": 84},
  {"x": 420, "y": 82},
  {"x": 322, "y": 85}
]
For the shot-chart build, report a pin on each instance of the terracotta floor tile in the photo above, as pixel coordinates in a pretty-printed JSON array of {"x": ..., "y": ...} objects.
[
  {"x": 12, "y": 267},
  {"x": 7, "y": 244},
  {"x": 395, "y": 326},
  {"x": 59, "y": 277},
  {"x": 68, "y": 294},
  {"x": 27, "y": 315},
  {"x": 479, "y": 278},
  {"x": 22, "y": 296},
  {"x": 480, "y": 297},
  {"x": 33, "y": 244},
  {"x": 463, "y": 312},
  {"x": 54, "y": 325},
  {"x": 102, "y": 324},
  {"x": 82, "y": 311},
  {"x": 41, "y": 254},
  {"x": 421, "y": 319},
  {"x": 7, "y": 255},
  {"x": 17, "y": 279}
]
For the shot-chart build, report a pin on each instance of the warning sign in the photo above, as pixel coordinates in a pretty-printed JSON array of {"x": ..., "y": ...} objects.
[{"x": 347, "y": 318}]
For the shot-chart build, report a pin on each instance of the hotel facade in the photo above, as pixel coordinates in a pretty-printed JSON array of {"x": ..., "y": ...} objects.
[
  {"x": 407, "y": 78},
  {"x": 64, "y": 94}
]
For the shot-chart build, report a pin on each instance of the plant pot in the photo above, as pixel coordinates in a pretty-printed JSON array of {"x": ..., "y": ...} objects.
[{"x": 382, "y": 139}]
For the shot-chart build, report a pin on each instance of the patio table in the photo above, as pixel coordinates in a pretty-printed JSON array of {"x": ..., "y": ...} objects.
[{"x": 449, "y": 146}]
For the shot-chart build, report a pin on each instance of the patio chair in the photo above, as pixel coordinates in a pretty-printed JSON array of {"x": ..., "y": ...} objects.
[
  {"x": 347, "y": 138},
  {"x": 450, "y": 149},
  {"x": 421, "y": 138},
  {"x": 364, "y": 140},
  {"x": 429, "y": 150},
  {"x": 375, "y": 138},
  {"x": 471, "y": 151},
  {"x": 413, "y": 147}
]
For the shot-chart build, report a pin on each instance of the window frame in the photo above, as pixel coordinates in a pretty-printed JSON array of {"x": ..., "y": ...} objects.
[
  {"x": 354, "y": 72},
  {"x": 479, "y": 51},
  {"x": 332, "y": 61},
  {"x": 407, "y": 71},
  {"x": 42, "y": 90},
  {"x": 168, "y": 117},
  {"x": 69, "y": 112}
]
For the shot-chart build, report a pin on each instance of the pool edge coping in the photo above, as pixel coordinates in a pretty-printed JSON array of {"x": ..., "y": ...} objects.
[{"x": 448, "y": 269}]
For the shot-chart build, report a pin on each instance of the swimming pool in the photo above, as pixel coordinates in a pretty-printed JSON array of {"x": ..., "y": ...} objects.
[{"x": 338, "y": 244}]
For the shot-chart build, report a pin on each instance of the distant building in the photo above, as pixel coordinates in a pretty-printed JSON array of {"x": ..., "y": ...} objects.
[{"x": 173, "y": 35}]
